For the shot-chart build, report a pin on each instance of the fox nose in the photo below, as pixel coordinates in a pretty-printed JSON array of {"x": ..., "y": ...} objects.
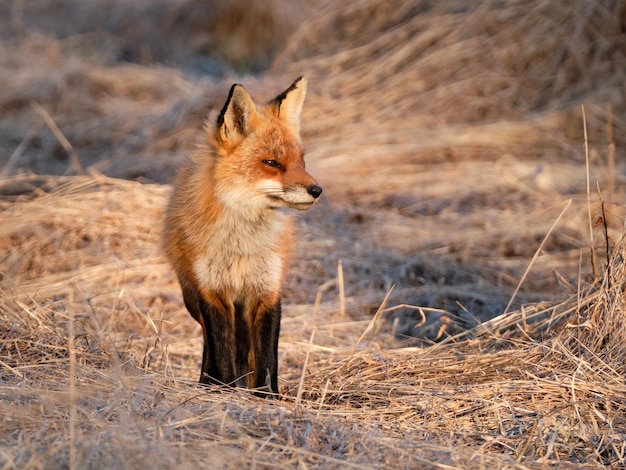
[{"x": 314, "y": 190}]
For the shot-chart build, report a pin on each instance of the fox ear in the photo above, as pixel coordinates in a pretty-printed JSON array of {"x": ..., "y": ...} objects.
[
  {"x": 288, "y": 104},
  {"x": 237, "y": 119}
]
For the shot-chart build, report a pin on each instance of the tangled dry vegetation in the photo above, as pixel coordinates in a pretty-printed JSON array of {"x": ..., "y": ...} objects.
[{"x": 457, "y": 297}]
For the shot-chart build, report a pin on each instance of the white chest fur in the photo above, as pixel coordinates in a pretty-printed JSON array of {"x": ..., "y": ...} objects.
[{"x": 242, "y": 256}]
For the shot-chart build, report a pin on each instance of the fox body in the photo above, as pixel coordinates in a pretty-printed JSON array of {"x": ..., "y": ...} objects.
[{"x": 229, "y": 238}]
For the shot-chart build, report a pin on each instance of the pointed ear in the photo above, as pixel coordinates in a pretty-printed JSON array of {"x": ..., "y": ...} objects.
[
  {"x": 237, "y": 119},
  {"x": 288, "y": 104}
]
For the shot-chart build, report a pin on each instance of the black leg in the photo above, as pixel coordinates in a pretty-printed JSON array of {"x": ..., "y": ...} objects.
[
  {"x": 191, "y": 296},
  {"x": 265, "y": 342},
  {"x": 242, "y": 337},
  {"x": 220, "y": 347}
]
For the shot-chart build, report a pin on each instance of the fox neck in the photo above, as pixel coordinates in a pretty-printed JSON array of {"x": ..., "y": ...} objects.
[{"x": 245, "y": 253}]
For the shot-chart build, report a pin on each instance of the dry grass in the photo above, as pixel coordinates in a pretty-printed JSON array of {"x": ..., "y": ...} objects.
[{"x": 449, "y": 305}]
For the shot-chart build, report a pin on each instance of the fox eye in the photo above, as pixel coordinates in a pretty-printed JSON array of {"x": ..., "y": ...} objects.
[{"x": 272, "y": 163}]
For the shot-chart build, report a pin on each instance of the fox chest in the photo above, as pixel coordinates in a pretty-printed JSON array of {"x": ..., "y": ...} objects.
[{"x": 241, "y": 259}]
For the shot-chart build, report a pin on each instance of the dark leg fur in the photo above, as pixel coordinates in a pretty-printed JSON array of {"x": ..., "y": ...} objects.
[
  {"x": 220, "y": 346},
  {"x": 242, "y": 335},
  {"x": 227, "y": 342},
  {"x": 192, "y": 300},
  {"x": 265, "y": 343},
  {"x": 218, "y": 355},
  {"x": 191, "y": 297}
]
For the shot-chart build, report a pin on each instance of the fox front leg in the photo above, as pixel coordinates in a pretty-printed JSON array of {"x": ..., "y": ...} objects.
[
  {"x": 220, "y": 347},
  {"x": 265, "y": 350}
]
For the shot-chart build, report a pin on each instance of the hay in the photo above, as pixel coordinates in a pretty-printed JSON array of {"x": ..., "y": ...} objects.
[
  {"x": 448, "y": 140},
  {"x": 544, "y": 384},
  {"x": 388, "y": 62}
]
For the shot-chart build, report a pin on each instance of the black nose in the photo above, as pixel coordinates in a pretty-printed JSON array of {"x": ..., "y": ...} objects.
[{"x": 314, "y": 190}]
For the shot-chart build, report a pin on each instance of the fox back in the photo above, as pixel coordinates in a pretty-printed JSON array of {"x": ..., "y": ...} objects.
[{"x": 229, "y": 238}]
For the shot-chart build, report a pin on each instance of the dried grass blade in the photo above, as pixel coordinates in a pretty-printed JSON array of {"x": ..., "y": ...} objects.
[{"x": 534, "y": 258}]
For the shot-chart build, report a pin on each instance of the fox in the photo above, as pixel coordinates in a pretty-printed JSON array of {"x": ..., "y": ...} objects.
[{"x": 229, "y": 233}]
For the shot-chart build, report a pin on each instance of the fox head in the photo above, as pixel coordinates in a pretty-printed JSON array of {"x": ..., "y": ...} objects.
[{"x": 260, "y": 158}]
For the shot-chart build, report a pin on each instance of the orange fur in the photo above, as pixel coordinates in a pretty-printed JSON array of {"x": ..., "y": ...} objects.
[{"x": 228, "y": 236}]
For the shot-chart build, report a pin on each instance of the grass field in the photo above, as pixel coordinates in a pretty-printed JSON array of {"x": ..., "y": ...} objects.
[{"x": 456, "y": 299}]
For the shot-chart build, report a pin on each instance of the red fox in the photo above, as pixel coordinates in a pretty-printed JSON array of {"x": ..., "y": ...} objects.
[{"x": 229, "y": 238}]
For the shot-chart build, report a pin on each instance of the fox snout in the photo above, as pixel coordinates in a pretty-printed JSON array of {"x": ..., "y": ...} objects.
[
  {"x": 315, "y": 190},
  {"x": 301, "y": 197}
]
